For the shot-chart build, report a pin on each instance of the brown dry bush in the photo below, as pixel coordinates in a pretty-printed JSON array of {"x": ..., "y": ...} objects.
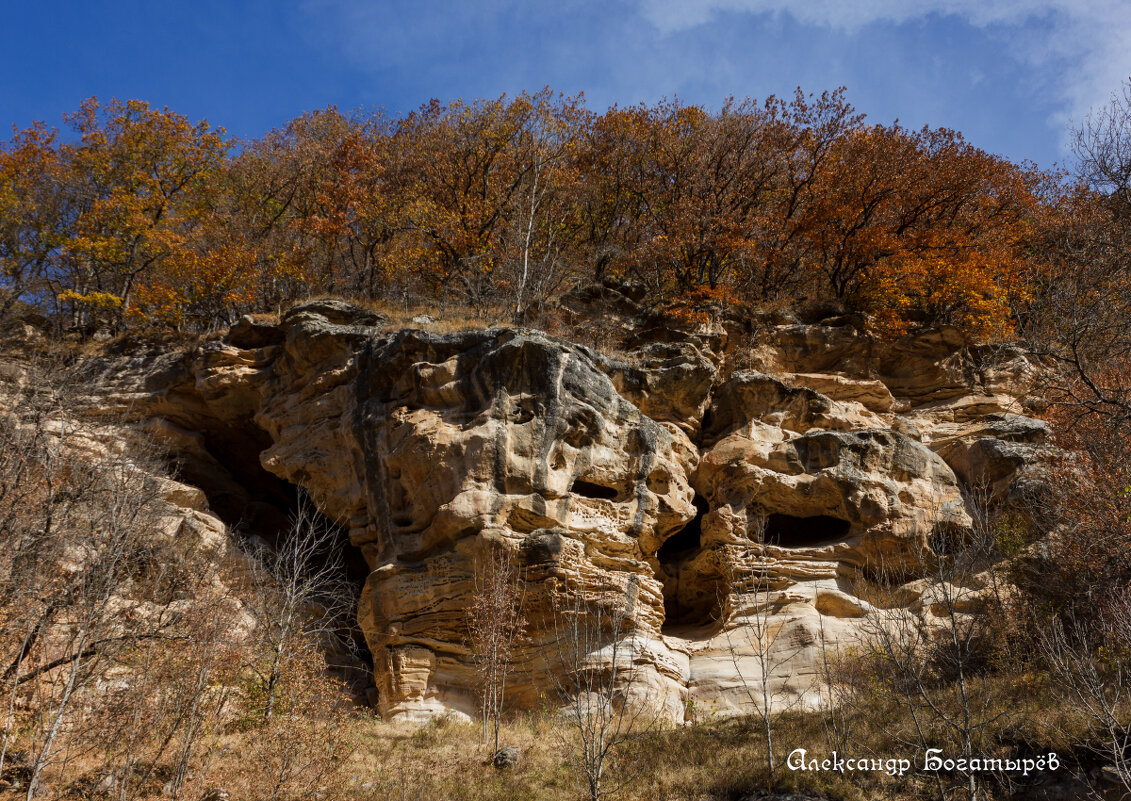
[
  {"x": 128, "y": 661},
  {"x": 77, "y": 522}
]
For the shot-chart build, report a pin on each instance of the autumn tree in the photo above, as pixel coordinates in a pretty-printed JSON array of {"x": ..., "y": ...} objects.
[
  {"x": 699, "y": 205},
  {"x": 501, "y": 205},
  {"x": 359, "y": 206},
  {"x": 664, "y": 162},
  {"x": 482, "y": 171},
  {"x": 34, "y": 215},
  {"x": 1079, "y": 315},
  {"x": 803, "y": 133},
  {"x": 142, "y": 179},
  {"x": 274, "y": 205},
  {"x": 922, "y": 223},
  {"x": 606, "y": 204},
  {"x": 543, "y": 224}
]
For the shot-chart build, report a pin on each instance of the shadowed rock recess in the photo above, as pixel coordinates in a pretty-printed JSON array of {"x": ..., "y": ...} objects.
[{"x": 703, "y": 493}]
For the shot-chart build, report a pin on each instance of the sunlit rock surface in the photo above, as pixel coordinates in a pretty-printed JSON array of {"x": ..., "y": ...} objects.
[{"x": 730, "y": 485}]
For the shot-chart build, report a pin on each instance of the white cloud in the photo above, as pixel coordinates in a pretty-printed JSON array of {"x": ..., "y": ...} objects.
[{"x": 1079, "y": 49}]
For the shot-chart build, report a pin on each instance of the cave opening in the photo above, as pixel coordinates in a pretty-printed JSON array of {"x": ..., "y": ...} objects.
[
  {"x": 691, "y": 585},
  {"x": 789, "y": 531},
  {"x": 689, "y": 538},
  {"x": 250, "y": 500},
  {"x": 260, "y": 510},
  {"x": 587, "y": 489}
]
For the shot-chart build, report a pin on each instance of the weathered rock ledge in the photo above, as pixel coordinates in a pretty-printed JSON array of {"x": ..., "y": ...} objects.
[{"x": 699, "y": 465}]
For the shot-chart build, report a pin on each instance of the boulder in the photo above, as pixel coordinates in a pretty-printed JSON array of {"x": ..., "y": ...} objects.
[
  {"x": 506, "y": 757},
  {"x": 992, "y": 454},
  {"x": 869, "y": 393},
  {"x": 670, "y": 383},
  {"x": 493, "y": 436},
  {"x": 248, "y": 334}
]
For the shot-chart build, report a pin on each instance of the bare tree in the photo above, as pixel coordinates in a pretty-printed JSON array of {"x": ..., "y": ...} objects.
[
  {"x": 87, "y": 550},
  {"x": 1078, "y": 319},
  {"x": 195, "y": 707},
  {"x": 1102, "y": 146},
  {"x": 929, "y": 656},
  {"x": 300, "y": 597},
  {"x": 167, "y": 695},
  {"x": 605, "y": 703},
  {"x": 1092, "y": 665},
  {"x": 835, "y": 707},
  {"x": 495, "y": 625},
  {"x": 99, "y": 583},
  {"x": 80, "y": 551},
  {"x": 753, "y": 628},
  {"x": 541, "y": 233},
  {"x": 307, "y": 742},
  {"x": 299, "y": 592}
]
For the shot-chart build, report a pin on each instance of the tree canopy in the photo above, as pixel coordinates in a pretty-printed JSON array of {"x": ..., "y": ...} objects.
[{"x": 140, "y": 216}]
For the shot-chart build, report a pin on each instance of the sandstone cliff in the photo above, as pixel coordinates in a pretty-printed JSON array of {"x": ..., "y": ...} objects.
[{"x": 756, "y": 468}]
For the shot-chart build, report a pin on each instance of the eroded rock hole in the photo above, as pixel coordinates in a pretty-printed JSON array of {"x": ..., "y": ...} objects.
[
  {"x": 587, "y": 489},
  {"x": 788, "y": 531},
  {"x": 688, "y": 539},
  {"x": 947, "y": 540},
  {"x": 691, "y": 581}
]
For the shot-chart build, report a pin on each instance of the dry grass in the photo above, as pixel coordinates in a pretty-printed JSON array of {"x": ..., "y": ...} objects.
[
  {"x": 443, "y": 760},
  {"x": 358, "y": 757},
  {"x": 448, "y": 760},
  {"x": 599, "y": 335},
  {"x": 445, "y": 319},
  {"x": 604, "y": 336}
]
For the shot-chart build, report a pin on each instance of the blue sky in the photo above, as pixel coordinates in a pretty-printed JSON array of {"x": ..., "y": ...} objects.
[{"x": 1010, "y": 74}]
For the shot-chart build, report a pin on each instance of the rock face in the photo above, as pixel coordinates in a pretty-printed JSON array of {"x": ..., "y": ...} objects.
[{"x": 700, "y": 498}]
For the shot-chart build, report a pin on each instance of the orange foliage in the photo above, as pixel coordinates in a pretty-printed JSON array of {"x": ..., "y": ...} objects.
[
  {"x": 500, "y": 204},
  {"x": 142, "y": 181},
  {"x": 922, "y": 224}
]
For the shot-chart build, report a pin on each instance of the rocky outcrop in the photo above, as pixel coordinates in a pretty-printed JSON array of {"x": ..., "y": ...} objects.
[{"x": 659, "y": 479}]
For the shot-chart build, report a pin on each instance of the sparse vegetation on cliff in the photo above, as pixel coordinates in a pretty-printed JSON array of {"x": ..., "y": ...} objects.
[{"x": 726, "y": 526}]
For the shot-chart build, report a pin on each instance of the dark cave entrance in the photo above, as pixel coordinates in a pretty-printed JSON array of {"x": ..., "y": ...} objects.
[
  {"x": 259, "y": 509},
  {"x": 251, "y": 501},
  {"x": 687, "y": 540},
  {"x": 691, "y": 589},
  {"x": 788, "y": 531},
  {"x": 587, "y": 489}
]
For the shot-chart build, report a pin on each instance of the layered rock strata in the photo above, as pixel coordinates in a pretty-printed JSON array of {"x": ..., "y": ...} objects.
[{"x": 729, "y": 486}]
